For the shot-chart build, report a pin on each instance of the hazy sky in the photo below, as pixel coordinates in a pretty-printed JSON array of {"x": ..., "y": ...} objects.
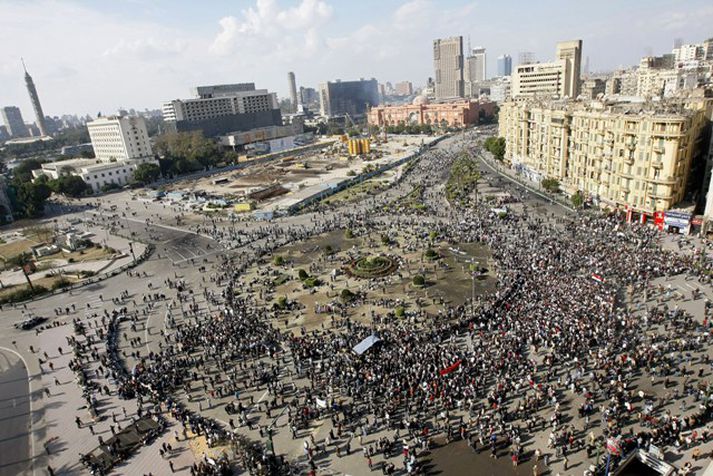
[{"x": 88, "y": 56}]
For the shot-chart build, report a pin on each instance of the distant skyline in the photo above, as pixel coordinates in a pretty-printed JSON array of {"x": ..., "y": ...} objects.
[{"x": 89, "y": 56}]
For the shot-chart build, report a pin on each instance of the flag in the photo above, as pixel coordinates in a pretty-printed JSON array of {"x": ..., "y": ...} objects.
[
  {"x": 597, "y": 278},
  {"x": 451, "y": 368}
]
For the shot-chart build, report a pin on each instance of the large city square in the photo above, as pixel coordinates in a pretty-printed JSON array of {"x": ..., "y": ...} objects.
[
  {"x": 330, "y": 238},
  {"x": 371, "y": 336}
]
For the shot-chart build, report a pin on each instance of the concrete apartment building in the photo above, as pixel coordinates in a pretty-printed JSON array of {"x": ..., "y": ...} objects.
[
  {"x": 15, "y": 125},
  {"x": 592, "y": 87},
  {"x": 348, "y": 97},
  {"x": 404, "y": 88},
  {"x": 622, "y": 82},
  {"x": 636, "y": 155},
  {"x": 686, "y": 68},
  {"x": 448, "y": 65},
  {"x": 223, "y": 108},
  {"x": 557, "y": 79},
  {"x": 120, "y": 143}
]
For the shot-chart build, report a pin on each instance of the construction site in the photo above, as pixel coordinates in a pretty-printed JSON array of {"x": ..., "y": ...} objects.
[{"x": 269, "y": 185}]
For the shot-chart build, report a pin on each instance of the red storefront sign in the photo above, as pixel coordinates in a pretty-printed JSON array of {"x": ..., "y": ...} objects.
[{"x": 659, "y": 220}]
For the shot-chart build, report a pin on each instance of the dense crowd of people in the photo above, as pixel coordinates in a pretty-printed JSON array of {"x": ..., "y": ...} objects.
[{"x": 556, "y": 327}]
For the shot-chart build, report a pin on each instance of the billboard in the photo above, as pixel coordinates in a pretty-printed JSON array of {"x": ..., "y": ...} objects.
[{"x": 676, "y": 219}]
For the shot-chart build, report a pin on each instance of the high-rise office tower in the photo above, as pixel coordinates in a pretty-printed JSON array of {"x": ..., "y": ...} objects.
[
  {"x": 476, "y": 64},
  {"x": 448, "y": 66},
  {"x": 339, "y": 98},
  {"x": 35, "y": 99},
  {"x": 504, "y": 65},
  {"x": 571, "y": 53},
  {"x": 13, "y": 121},
  {"x": 293, "y": 90},
  {"x": 474, "y": 71}
]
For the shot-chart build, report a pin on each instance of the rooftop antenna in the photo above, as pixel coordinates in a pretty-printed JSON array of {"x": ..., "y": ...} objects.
[
  {"x": 469, "y": 50},
  {"x": 22, "y": 60}
]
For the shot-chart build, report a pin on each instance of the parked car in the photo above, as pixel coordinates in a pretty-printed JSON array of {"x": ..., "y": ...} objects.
[{"x": 30, "y": 323}]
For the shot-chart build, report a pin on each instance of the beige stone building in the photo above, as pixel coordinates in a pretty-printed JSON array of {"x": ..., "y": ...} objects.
[{"x": 619, "y": 155}]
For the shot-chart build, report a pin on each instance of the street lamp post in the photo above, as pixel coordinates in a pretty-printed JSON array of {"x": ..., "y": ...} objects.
[{"x": 131, "y": 247}]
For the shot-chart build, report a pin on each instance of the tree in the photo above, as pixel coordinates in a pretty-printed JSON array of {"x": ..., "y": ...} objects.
[
  {"x": 496, "y": 146},
  {"x": 302, "y": 274},
  {"x": 187, "y": 151},
  {"x": 147, "y": 173},
  {"x": 69, "y": 185},
  {"x": 550, "y": 184},
  {"x": 31, "y": 198},
  {"x": 23, "y": 172},
  {"x": 577, "y": 199},
  {"x": 419, "y": 280}
]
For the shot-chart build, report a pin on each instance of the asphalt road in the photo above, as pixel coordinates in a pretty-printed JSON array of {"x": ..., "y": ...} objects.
[{"x": 14, "y": 415}]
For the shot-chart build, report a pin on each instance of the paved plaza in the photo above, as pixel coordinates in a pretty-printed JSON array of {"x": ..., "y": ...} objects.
[{"x": 400, "y": 333}]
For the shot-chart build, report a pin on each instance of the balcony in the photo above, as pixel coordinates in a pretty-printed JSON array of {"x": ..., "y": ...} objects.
[
  {"x": 626, "y": 174},
  {"x": 663, "y": 195},
  {"x": 657, "y": 164},
  {"x": 662, "y": 180}
]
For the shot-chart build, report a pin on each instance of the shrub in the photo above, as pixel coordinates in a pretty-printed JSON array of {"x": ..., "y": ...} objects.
[
  {"x": 400, "y": 311},
  {"x": 278, "y": 260},
  {"x": 302, "y": 274},
  {"x": 419, "y": 280},
  {"x": 328, "y": 250},
  {"x": 281, "y": 302},
  {"x": 349, "y": 234},
  {"x": 61, "y": 283},
  {"x": 312, "y": 282},
  {"x": 385, "y": 239},
  {"x": 577, "y": 199},
  {"x": 346, "y": 295},
  {"x": 431, "y": 253},
  {"x": 23, "y": 294},
  {"x": 550, "y": 184}
]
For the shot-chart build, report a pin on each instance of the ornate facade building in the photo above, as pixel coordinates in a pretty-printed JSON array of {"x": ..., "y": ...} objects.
[
  {"x": 458, "y": 113},
  {"x": 628, "y": 155}
]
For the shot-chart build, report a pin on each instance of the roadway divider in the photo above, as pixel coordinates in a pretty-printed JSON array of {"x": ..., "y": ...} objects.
[{"x": 345, "y": 184}]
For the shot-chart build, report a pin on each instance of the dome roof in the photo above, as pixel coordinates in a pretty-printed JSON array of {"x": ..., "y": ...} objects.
[{"x": 420, "y": 100}]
